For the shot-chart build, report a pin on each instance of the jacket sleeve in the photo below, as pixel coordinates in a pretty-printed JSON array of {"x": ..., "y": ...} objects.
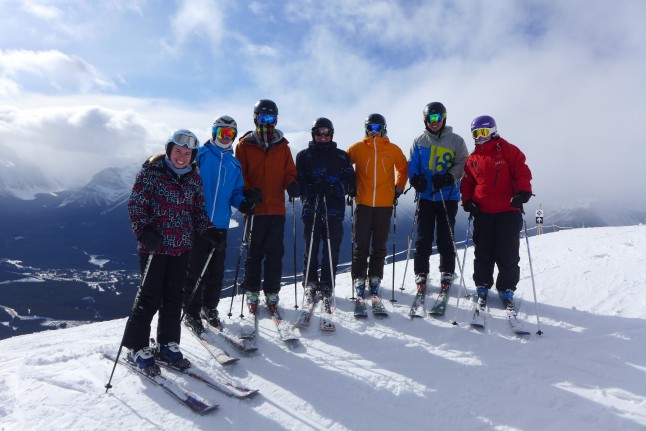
[
  {"x": 460, "y": 158},
  {"x": 347, "y": 176},
  {"x": 290, "y": 168},
  {"x": 139, "y": 208},
  {"x": 241, "y": 155},
  {"x": 521, "y": 175},
  {"x": 467, "y": 185},
  {"x": 413, "y": 161},
  {"x": 401, "y": 166},
  {"x": 237, "y": 197}
]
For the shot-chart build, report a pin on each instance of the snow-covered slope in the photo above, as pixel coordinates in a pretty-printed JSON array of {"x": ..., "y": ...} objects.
[{"x": 586, "y": 372}]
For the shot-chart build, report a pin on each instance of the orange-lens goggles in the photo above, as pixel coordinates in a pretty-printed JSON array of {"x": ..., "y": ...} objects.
[
  {"x": 225, "y": 132},
  {"x": 482, "y": 133}
]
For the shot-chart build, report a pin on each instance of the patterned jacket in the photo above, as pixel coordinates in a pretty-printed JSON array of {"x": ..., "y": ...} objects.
[
  {"x": 430, "y": 155},
  {"x": 324, "y": 163},
  {"x": 172, "y": 203},
  {"x": 493, "y": 173}
]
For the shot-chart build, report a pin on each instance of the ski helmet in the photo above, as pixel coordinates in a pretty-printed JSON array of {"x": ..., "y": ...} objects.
[
  {"x": 435, "y": 108},
  {"x": 322, "y": 122},
  {"x": 264, "y": 106},
  {"x": 225, "y": 122},
  {"x": 485, "y": 122},
  {"x": 376, "y": 119},
  {"x": 183, "y": 138}
]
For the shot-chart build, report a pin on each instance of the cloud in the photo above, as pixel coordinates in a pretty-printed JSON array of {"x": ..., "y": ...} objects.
[{"x": 48, "y": 70}]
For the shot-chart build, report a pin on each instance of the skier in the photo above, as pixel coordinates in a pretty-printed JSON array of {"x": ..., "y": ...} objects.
[
  {"x": 376, "y": 160},
  {"x": 166, "y": 208},
  {"x": 223, "y": 185},
  {"x": 496, "y": 184},
  {"x": 268, "y": 170},
  {"x": 435, "y": 167},
  {"x": 323, "y": 171}
]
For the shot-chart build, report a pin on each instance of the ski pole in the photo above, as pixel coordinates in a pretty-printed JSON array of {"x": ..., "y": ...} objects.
[
  {"x": 247, "y": 246},
  {"x": 309, "y": 252},
  {"x": 234, "y": 292},
  {"x": 464, "y": 260},
  {"x": 393, "y": 300},
  {"x": 294, "y": 231},
  {"x": 108, "y": 385},
  {"x": 351, "y": 200},
  {"x": 410, "y": 238},
  {"x": 531, "y": 271},
  {"x": 197, "y": 283},
  {"x": 329, "y": 248}
]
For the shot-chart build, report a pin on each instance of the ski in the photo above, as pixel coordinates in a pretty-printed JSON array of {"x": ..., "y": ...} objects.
[
  {"x": 224, "y": 386},
  {"x": 305, "y": 317},
  {"x": 418, "y": 301},
  {"x": 286, "y": 332},
  {"x": 439, "y": 307},
  {"x": 249, "y": 326},
  {"x": 325, "y": 320},
  {"x": 478, "y": 318},
  {"x": 188, "y": 399},
  {"x": 378, "y": 308},
  {"x": 220, "y": 355},
  {"x": 517, "y": 325},
  {"x": 360, "y": 308}
]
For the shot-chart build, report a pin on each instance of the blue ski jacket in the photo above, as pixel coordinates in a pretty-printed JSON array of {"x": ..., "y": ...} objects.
[{"x": 223, "y": 184}]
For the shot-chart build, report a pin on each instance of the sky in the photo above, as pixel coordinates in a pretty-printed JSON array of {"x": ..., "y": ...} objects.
[
  {"x": 87, "y": 85},
  {"x": 585, "y": 372}
]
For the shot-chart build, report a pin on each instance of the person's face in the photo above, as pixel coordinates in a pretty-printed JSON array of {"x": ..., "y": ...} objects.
[
  {"x": 180, "y": 156},
  {"x": 322, "y": 135},
  {"x": 434, "y": 127}
]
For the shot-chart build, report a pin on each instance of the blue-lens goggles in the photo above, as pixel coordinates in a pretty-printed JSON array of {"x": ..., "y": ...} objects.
[
  {"x": 434, "y": 118},
  {"x": 374, "y": 127},
  {"x": 267, "y": 119}
]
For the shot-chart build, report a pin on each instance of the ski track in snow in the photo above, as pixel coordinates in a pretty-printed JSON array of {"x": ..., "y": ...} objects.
[{"x": 587, "y": 370}]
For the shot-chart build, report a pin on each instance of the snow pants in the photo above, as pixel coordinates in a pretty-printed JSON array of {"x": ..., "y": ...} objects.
[
  {"x": 431, "y": 218},
  {"x": 320, "y": 235},
  {"x": 497, "y": 242},
  {"x": 370, "y": 235},
  {"x": 208, "y": 292},
  {"x": 161, "y": 291},
  {"x": 266, "y": 246}
]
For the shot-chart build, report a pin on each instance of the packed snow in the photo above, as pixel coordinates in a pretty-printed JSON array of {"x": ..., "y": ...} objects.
[{"x": 587, "y": 371}]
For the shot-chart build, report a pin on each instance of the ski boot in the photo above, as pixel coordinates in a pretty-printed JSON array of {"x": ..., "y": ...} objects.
[
  {"x": 359, "y": 287},
  {"x": 310, "y": 292},
  {"x": 446, "y": 281},
  {"x": 507, "y": 298},
  {"x": 375, "y": 282},
  {"x": 420, "y": 281},
  {"x": 482, "y": 292},
  {"x": 194, "y": 323},
  {"x": 252, "y": 302},
  {"x": 170, "y": 354},
  {"x": 271, "y": 299},
  {"x": 326, "y": 290},
  {"x": 211, "y": 316},
  {"x": 144, "y": 359}
]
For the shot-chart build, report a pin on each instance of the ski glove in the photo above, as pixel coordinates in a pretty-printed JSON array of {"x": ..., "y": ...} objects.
[
  {"x": 419, "y": 183},
  {"x": 253, "y": 195},
  {"x": 470, "y": 207},
  {"x": 151, "y": 238},
  {"x": 440, "y": 181},
  {"x": 519, "y": 199},
  {"x": 398, "y": 193},
  {"x": 247, "y": 206},
  {"x": 293, "y": 191},
  {"x": 217, "y": 237}
]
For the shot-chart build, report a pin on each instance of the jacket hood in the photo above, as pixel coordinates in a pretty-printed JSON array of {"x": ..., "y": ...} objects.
[{"x": 322, "y": 145}]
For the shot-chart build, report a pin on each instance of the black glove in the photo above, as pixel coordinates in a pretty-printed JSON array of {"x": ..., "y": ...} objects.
[
  {"x": 216, "y": 237},
  {"x": 247, "y": 206},
  {"x": 398, "y": 192},
  {"x": 293, "y": 190},
  {"x": 419, "y": 183},
  {"x": 471, "y": 207},
  {"x": 253, "y": 195},
  {"x": 440, "y": 181},
  {"x": 151, "y": 238},
  {"x": 519, "y": 199}
]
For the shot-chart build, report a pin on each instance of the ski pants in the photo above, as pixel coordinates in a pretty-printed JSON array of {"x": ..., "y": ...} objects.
[
  {"x": 370, "y": 232},
  {"x": 497, "y": 242},
  {"x": 161, "y": 291},
  {"x": 320, "y": 235},
  {"x": 208, "y": 292},
  {"x": 265, "y": 246},
  {"x": 432, "y": 217}
]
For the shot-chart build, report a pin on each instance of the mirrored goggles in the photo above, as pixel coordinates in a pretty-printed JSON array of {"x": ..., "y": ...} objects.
[
  {"x": 434, "y": 118},
  {"x": 321, "y": 131},
  {"x": 222, "y": 133},
  {"x": 184, "y": 140},
  {"x": 267, "y": 119},
  {"x": 483, "y": 132},
  {"x": 374, "y": 127}
]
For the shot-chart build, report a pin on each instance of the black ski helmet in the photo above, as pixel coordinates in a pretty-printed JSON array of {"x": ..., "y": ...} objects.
[
  {"x": 435, "y": 108},
  {"x": 323, "y": 122},
  {"x": 264, "y": 106},
  {"x": 375, "y": 119}
]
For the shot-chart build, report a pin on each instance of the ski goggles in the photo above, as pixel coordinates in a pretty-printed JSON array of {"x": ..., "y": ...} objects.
[
  {"x": 434, "y": 118},
  {"x": 483, "y": 132},
  {"x": 374, "y": 127},
  {"x": 184, "y": 140},
  {"x": 267, "y": 119},
  {"x": 222, "y": 133},
  {"x": 321, "y": 131}
]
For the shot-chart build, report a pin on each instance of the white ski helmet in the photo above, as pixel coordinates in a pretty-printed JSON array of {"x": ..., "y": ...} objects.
[{"x": 224, "y": 121}]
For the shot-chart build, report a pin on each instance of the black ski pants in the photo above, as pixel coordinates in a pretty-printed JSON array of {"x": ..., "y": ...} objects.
[
  {"x": 497, "y": 242},
  {"x": 370, "y": 231},
  {"x": 265, "y": 247},
  {"x": 161, "y": 291},
  {"x": 210, "y": 288},
  {"x": 431, "y": 217},
  {"x": 320, "y": 235}
]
